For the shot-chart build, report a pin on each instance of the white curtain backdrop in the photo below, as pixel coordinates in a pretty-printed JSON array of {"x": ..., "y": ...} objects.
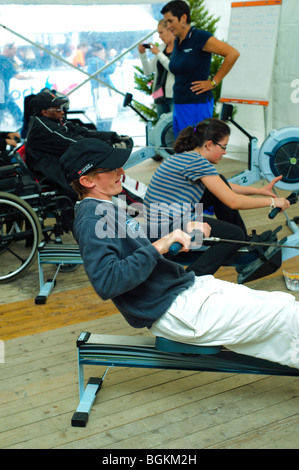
[{"x": 70, "y": 16}]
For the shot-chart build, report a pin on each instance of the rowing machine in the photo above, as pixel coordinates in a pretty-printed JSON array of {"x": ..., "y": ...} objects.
[
  {"x": 249, "y": 266},
  {"x": 157, "y": 353},
  {"x": 278, "y": 155},
  {"x": 159, "y": 137}
]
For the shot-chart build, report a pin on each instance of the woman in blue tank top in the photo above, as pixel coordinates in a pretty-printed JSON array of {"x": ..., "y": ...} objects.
[{"x": 190, "y": 63}]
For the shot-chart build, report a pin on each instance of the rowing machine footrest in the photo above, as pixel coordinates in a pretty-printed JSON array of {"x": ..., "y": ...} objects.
[
  {"x": 269, "y": 263},
  {"x": 163, "y": 344}
]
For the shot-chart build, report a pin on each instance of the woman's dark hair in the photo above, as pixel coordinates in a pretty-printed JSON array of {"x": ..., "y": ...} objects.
[
  {"x": 177, "y": 8},
  {"x": 195, "y": 136}
]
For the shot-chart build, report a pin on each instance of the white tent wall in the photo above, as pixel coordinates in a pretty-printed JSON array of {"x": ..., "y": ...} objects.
[
  {"x": 286, "y": 73},
  {"x": 59, "y": 28},
  {"x": 283, "y": 109},
  {"x": 81, "y": 2}
]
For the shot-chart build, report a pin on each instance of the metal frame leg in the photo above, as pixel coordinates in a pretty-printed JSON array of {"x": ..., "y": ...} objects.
[
  {"x": 45, "y": 287},
  {"x": 87, "y": 397}
]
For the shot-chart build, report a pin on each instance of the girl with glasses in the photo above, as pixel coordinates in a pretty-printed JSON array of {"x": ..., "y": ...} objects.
[{"x": 190, "y": 177}]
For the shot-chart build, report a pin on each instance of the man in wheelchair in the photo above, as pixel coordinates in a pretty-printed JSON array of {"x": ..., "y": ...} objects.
[
  {"x": 50, "y": 134},
  {"x": 124, "y": 265}
]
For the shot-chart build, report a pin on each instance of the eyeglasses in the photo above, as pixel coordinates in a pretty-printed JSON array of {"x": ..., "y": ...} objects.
[
  {"x": 59, "y": 110},
  {"x": 224, "y": 147},
  {"x": 106, "y": 171}
]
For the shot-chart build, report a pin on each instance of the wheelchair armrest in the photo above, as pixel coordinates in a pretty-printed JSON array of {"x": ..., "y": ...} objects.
[{"x": 7, "y": 169}]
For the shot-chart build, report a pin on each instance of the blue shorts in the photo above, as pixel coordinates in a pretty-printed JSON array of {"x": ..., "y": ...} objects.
[{"x": 185, "y": 115}]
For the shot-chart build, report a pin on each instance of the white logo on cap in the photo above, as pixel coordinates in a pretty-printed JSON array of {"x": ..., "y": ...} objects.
[{"x": 86, "y": 168}]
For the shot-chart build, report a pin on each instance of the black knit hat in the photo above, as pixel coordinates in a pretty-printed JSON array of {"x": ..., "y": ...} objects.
[{"x": 87, "y": 154}]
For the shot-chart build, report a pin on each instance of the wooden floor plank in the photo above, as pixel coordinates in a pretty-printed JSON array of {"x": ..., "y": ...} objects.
[
  {"x": 204, "y": 414},
  {"x": 281, "y": 434},
  {"x": 228, "y": 424},
  {"x": 149, "y": 420},
  {"x": 65, "y": 308}
]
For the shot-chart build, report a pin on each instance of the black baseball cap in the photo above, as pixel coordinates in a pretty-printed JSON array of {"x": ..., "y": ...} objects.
[
  {"x": 89, "y": 153},
  {"x": 46, "y": 99}
]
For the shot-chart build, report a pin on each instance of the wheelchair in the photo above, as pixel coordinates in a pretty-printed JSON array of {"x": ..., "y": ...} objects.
[{"x": 30, "y": 212}]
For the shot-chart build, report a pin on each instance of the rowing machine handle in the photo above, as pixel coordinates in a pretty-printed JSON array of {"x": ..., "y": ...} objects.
[
  {"x": 292, "y": 198},
  {"x": 274, "y": 213},
  {"x": 176, "y": 246}
]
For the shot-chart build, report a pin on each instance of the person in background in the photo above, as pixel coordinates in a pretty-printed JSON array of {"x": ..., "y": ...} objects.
[
  {"x": 163, "y": 78},
  {"x": 101, "y": 95},
  {"x": 49, "y": 136},
  {"x": 79, "y": 57},
  {"x": 189, "y": 176},
  {"x": 8, "y": 70},
  {"x": 190, "y": 63}
]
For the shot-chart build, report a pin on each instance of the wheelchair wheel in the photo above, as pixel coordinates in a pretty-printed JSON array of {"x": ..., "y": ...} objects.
[{"x": 20, "y": 235}]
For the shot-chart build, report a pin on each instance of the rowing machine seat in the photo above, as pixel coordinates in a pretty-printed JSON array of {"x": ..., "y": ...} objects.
[{"x": 163, "y": 344}]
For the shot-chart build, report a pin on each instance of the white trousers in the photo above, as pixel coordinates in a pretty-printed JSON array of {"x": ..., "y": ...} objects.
[{"x": 251, "y": 322}]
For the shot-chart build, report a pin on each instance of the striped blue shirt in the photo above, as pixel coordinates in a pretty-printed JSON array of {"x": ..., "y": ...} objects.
[{"x": 176, "y": 182}]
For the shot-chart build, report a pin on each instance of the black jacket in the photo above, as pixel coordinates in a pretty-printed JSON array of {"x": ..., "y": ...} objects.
[{"x": 47, "y": 140}]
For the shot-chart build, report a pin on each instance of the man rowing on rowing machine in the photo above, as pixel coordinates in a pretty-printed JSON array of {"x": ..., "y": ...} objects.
[{"x": 124, "y": 265}]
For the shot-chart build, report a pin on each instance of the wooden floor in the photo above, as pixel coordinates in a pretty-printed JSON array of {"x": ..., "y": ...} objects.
[{"x": 136, "y": 408}]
